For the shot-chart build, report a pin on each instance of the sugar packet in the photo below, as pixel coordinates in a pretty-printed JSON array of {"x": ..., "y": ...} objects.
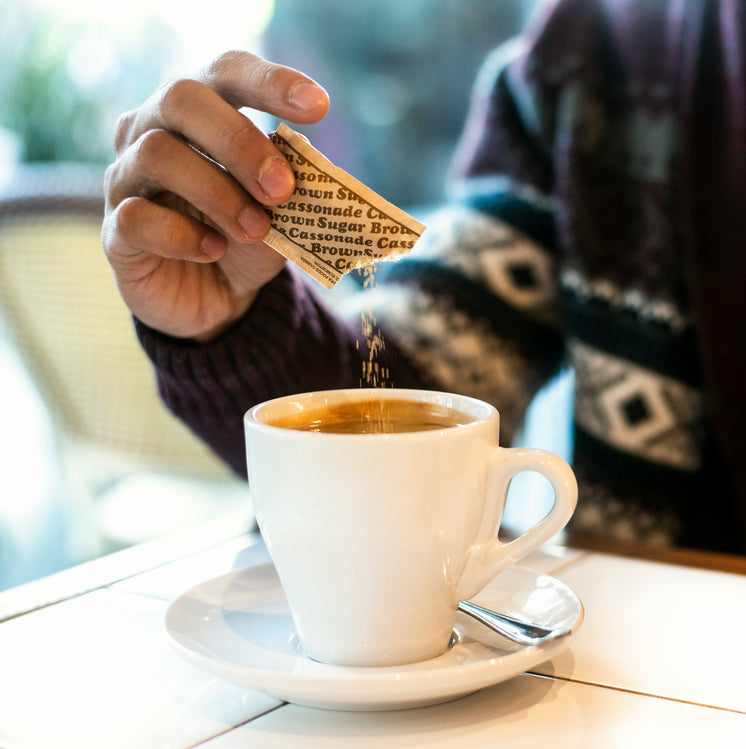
[{"x": 333, "y": 223}]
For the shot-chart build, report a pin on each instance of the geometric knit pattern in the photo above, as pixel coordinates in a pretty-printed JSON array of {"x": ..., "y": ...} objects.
[
  {"x": 511, "y": 265},
  {"x": 624, "y": 301},
  {"x": 652, "y": 417},
  {"x": 636, "y": 410}
]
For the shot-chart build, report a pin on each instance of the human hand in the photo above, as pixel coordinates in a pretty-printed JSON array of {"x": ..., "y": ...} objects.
[{"x": 184, "y": 218}]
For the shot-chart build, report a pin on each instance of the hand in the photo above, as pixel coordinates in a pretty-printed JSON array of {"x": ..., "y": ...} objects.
[{"x": 184, "y": 218}]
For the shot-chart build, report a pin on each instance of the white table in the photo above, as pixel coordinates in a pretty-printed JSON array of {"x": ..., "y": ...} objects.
[{"x": 85, "y": 662}]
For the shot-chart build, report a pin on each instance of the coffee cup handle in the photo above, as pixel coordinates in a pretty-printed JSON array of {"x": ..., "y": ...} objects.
[{"x": 489, "y": 556}]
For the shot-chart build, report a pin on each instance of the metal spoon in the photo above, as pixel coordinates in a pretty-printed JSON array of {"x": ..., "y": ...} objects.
[{"x": 519, "y": 631}]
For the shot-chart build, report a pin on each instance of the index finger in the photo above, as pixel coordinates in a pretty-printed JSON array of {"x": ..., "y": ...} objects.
[
  {"x": 204, "y": 111},
  {"x": 247, "y": 80}
]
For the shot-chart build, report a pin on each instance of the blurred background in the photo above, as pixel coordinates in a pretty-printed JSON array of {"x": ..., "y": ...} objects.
[
  {"x": 399, "y": 72},
  {"x": 90, "y": 461}
]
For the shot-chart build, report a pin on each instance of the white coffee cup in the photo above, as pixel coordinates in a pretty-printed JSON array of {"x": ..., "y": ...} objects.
[{"x": 377, "y": 537}]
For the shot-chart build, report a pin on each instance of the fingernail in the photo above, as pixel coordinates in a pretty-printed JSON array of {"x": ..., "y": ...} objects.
[
  {"x": 307, "y": 96},
  {"x": 276, "y": 178},
  {"x": 255, "y": 224},
  {"x": 214, "y": 245}
]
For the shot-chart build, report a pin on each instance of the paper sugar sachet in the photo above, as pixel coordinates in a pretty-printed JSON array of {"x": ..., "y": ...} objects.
[{"x": 333, "y": 223}]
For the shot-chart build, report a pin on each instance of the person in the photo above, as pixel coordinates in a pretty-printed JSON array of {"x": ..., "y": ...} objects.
[{"x": 596, "y": 218}]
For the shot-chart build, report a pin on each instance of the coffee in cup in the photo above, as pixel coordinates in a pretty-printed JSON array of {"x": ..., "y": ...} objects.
[{"x": 374, "y": 415}]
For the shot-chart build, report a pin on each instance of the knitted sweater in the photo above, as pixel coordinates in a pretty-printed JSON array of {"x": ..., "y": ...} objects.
[{"x": 597, "y": 222}]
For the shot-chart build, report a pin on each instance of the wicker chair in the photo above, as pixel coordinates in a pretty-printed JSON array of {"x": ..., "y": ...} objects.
[{"x": 133, "y": 470}]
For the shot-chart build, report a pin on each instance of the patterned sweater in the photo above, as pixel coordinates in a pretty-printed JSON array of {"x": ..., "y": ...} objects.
[{"x": 596, "y": 222}]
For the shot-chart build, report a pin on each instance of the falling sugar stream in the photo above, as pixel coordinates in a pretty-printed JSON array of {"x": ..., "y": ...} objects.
[{"x": 374, "y": 374}]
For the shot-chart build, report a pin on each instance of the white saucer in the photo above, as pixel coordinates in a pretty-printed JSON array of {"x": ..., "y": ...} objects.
[{"x": 238, "y": 627}]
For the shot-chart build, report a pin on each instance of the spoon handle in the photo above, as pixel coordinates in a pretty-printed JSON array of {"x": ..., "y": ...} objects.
[{"x": 519, "y": 631}]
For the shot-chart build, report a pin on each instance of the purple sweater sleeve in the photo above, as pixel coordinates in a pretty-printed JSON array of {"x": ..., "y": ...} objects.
[{"x": 290, "y": 341}]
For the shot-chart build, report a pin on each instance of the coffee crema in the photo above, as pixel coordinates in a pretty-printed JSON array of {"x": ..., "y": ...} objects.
[{"x": 374, "y": 416}]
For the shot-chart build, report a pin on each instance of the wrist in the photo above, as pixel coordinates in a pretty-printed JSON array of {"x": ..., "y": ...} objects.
[{"x": 214, "y": 332}]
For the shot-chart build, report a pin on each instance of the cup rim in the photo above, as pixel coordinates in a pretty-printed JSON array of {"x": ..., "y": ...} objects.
[{"x": 481, "y": 410}]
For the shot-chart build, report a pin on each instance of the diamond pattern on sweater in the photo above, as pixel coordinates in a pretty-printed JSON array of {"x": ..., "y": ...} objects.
[
  {"x": 636, "y": 410},
  {"x": 507, "y": 262}
]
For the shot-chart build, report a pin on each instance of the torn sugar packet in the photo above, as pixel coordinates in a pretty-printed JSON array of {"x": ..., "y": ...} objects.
[{"x": 332, "y": 222}]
